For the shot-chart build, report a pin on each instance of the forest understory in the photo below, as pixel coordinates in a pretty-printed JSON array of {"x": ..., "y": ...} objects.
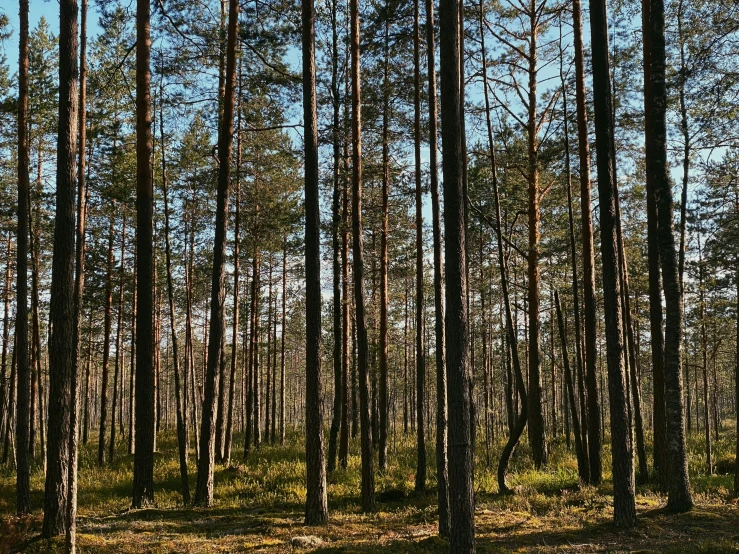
[{"x": 259, "y": 507}]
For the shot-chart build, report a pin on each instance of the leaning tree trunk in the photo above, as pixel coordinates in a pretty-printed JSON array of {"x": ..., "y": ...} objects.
[
  {"x": 679, "y": 496},
  {"x": 61, "y": 314},
  {"x": 521, "y": 419},
  {"x": 204, "y": 490},
  {"x": 624, "y": 507},
  {"x": 461, "y": 454},
  {"x": 442, "y": 462},
  {"x": 316, "y": 505},
  {"x": 143, "y": 465}
]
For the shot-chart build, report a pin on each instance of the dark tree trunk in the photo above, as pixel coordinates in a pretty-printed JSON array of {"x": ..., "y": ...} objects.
[
  {"x": 143, "y": 465},
  {"x": 382, "y": 461},
  {"x": 679, "y": 499},
  {"x": 591, "y": 421},
  {"x": 442, "y": 461},
  {"x": 118, "y": 346},
  {"x": 335, "y": 223},
  {"x": 228, "y": 440},
  {"x": 461, "y": 491},
  {"x": 624, "y": 507},
  {"x": 61, "y": 315},
  {"x": 420, "y": 484},
  {"x": 204, "y": 489},
  {"x": 659, "y": 424},
  {"x": 316, "y": 505},
  {"x": 368, "y": 473},
  {"x": 23, "y": 393},
  {"x": 282, "y": 342}
]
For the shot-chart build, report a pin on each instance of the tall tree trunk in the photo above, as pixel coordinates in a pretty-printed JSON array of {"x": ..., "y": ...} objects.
[
  {"x": 204, "y": 490},
  {"x": 442, "y": 461},
  {"x": 61, "y": 315},
  {"x": 511, "y": 338},
  {"x": 537, "y": 436},
  {"x": 420, "y": 484},
  {"x": 235, "y": 329},
  {"x": 659, "y": 424},
  {"x": 591, "y": 421},
  {"x": 335, "y": 223},
  {"x": 624, "y": 507},
  {"x": 282, "y": 342},
  {"x": 578, "y": 422},
  {"x": 268, "y": 384},
  {"x": 704, "y": 353},
  {"x": 106, "y": 346},
  {"x": 316, "y": 505},
  {"x": 368, "y": 474},
  {"x": 143, "y": 465},
  {"x": 179, "y": 393},
  {"x": 382, "y": 462},
  {"x": 22, "y": 418},
  {"x": 679, "y": 498},
  {"x": 6, "y": 391},
  {"x": 461, "y": 455},
  {"x": 132, "y": 371}
]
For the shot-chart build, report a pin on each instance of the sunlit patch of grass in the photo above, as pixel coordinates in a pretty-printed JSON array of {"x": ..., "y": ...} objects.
[{"x": 259, "y": 505}]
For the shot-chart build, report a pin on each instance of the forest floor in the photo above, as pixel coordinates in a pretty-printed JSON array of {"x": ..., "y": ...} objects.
[{"x": 259, "y": 507}]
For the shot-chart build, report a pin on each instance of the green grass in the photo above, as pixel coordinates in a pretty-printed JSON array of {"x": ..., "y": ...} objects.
[{"x": 259, "y": 507}]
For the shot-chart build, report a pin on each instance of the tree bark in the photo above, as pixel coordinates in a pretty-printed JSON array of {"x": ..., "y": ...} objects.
[
  {"x": 316, "y": 505},
  {"x": 204, "y": 490},
  {"x": 591, "y": 420},
  {"x": 118, "y": 346},
  {"x": 461, "y": 455},
  {"x": 679, "y": 496},
  {"x": 368, "y": 474},
  {"x": 106, "y": 347},
  {"x": 624, "y": 507},
  {"x": 659, "y": 424},
  {"x": 420, "y": 484},
  {"x": 143, "y": 465},
  {"x": 61, "y": 315},
  {"x": 442, "y": 460}
]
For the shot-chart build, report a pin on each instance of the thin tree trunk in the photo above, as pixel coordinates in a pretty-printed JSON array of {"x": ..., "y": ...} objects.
[
  {"x": 582, "y": 461},
  {"x": 382, "y": 462},
  {"x": 316, "y": 505},
  {"x": 442, "y": 461},
  {"x": 118, "y": 346},
  {"x": 106, "y": 347},
  {"x": 704, "y": 353},
  {"x": 235, "y": 328},
  {"x": 335, "y": 223},
  {"x": 204, "y": 490},
  {"x": 591, "y": 420},
  {"x": 368, "y": 474},
  {"x": 181, "y": 414},
  {"x": 22, "y": 419},
  {"x": 282, "y": 342},
  {"x": 420, "y": 484}
]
